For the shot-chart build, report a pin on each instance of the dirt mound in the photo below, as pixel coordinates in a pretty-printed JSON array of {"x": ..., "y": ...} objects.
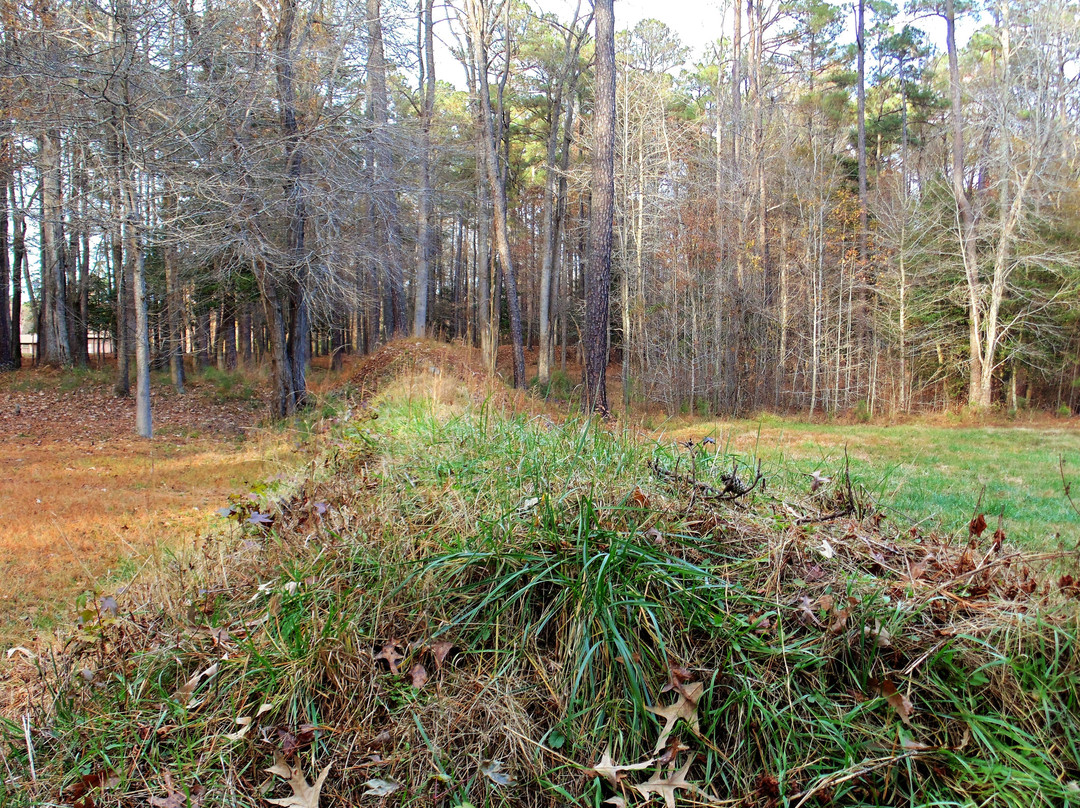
[{"x": 405, "y": 357}]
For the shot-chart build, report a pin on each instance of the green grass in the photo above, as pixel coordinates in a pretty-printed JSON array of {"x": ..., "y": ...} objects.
[
  {"x": 937, "y": 475},
  {"x": 571, "y": 582}
]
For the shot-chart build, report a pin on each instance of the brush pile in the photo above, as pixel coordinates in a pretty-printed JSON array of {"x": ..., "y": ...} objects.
[{"x": 471, "y": 608}]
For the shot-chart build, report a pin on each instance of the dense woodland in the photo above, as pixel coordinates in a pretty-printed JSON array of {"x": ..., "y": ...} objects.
[{"x": 800, "y": 222}]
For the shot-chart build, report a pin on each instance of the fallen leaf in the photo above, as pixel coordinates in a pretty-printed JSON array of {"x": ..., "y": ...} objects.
[
  {"x": 440, "y": 650},
  {"x": 618, "y": 802},
  {"x": 915, "y": 746},
  {"x": 493, "y": 770},
  {"x": 840, "y": 617},
  {"x": 79, "y": 793},
  {"x": 391, "y": 653},
  {"x": 419, "y": 675},
  {"x": 685, "y": 708},
  {"x": 304, "y": 795},
  {"x": 674, "y": 747},
  {"x": 244, "y": 722},
  {"x": 897, "y": 700},
  {"x": 612, "y": 772},
  {"x": 999, "y": 539},
  {"x": 187, "y": 689},
  {"x": 380, "y": 788},
  {"x": 805, "y": 612},
  {"x": 220, "y": 636},
  {"x": 677, "y": 676},
  {"x": 667, "y": 786},
  {"x": 290, "y": 742},
  {"x": 174, "y": 798},
  {"x": 881, "y": 636},
  {"x": 826, "y": 549}
]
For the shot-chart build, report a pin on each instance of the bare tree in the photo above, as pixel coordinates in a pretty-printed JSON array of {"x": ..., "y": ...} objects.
[{"x": 601, "y": 212}]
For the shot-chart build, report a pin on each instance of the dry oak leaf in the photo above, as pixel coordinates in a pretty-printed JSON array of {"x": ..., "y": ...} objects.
[
  {"x": 667, "y": 786},
  {"x": 685, "y": 708},
  {"x": 419, "y": 675},
  {"x": 391, "y": 654},
  {"x": 184, "y": 693},
  {"x": 440, "y": 650},
  {"x": 677, "y": 676},
  {"x": 805, "y": 612},
  {"x": 380, "y": 788},
  {"x": 178, "y": 799},
  {"x": 304, "y": 795},
  {"x": 612, "y": 772},
  {"x": 897, "y": 700},
  {"x": 674, "y": 747},
  {"x": 493, "y": 770}
]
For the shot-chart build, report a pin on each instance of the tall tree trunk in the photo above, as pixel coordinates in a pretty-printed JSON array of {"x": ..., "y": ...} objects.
[
  {"x": 54, "y": 348},
  {"x": 860, "y": 44},
  {"x": 426, "y": 235},
  {"x": 384, "y": 196},
  {"x": 965, "y": 215},
  {"x": 18, "y": 263},
  {"x": 554, "y": 196},
  {"x": 133, "y": 240},
  {"x": 137, "y": 259},
  {"x": 601, "y": 212},
  {"x": 298, "y": 346},
  {"x": 5, "y": 264},
  {"x": 122, "y": 385},
  {"x": 174, "y": 301},
  {"x": 245, "y": 334},
  {"x": 227, "y": 327},
  {"x": 477, "y": 19}
]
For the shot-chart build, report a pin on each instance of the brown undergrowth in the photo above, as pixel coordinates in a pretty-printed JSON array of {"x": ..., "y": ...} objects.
[{"x": 80, "y": 495}]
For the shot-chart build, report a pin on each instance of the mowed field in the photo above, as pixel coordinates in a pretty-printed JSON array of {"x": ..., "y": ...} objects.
[
  {"x": 83, "y": 503},
  {"x": 930, "y": 471}
]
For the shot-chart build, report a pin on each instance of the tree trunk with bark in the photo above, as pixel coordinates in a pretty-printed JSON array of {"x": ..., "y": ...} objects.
[
  {"x": 427, "y": 112},
  {"x": 601, "y": 213}
]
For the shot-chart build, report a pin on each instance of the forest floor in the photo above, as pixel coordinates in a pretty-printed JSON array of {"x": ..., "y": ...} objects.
[
  {"x": 463, "y": 596},
  {"x": 84, "y": 502}
]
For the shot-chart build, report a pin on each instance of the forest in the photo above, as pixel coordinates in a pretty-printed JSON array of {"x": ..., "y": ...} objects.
[
  {"x": 365, "y": 271},
  {"x": 827, "y": 211}
]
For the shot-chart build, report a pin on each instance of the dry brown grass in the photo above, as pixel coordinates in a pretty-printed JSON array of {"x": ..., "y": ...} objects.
[{"x": 78, "y": 494}]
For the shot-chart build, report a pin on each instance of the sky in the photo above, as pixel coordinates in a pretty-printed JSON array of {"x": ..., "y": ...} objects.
[{"x": 698, "y": 23}]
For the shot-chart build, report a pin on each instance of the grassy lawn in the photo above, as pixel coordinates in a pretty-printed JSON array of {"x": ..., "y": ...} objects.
[{"x": 926, "y": 472}]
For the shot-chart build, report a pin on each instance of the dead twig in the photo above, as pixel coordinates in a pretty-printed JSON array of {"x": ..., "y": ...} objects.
[{"x": 734, "y": 487}]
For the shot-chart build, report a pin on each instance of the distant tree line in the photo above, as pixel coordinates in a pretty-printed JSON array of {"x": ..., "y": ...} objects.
[{"x": 798, "y": 223}]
